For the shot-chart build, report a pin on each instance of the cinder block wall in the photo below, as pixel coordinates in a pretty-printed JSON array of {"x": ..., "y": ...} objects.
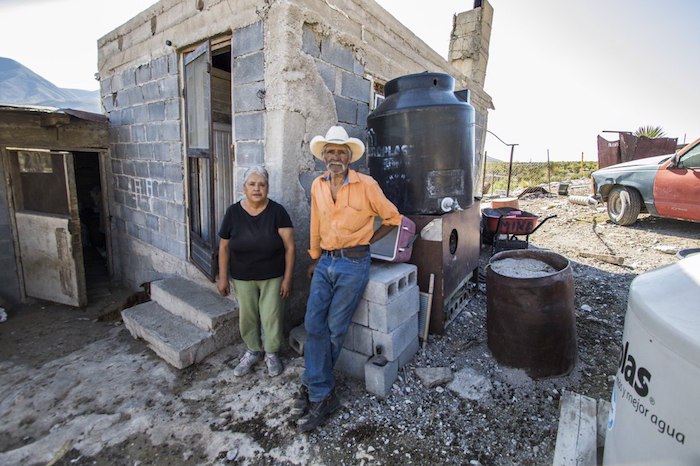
[
  {"x": 9, "y": 281},
  {"x": 147, "y": 174}
]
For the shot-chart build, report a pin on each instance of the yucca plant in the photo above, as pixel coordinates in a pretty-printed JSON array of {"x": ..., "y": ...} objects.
[{"x": 652, "y": 132}]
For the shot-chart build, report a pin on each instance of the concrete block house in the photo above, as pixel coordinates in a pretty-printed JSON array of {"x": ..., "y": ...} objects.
[{"x": 196, "y": 91}]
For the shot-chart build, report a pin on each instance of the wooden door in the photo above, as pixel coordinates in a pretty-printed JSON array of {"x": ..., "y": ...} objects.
[
  {"x": 48, "y": 225},
  {"x": 198, "y": 124}
]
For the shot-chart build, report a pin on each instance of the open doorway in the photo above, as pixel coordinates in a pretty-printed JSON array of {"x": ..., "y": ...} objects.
[{"x": 93, "y": 236}]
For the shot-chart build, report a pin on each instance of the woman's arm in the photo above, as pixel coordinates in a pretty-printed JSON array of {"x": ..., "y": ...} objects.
[
  {"x": 222, "y": 283},
  {"x": 287, "y": 235}
]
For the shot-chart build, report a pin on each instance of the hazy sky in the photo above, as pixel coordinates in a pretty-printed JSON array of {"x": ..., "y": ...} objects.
[{"x": 559, "y": 72}]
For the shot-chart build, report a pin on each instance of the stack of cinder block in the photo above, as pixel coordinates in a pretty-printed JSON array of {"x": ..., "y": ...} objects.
[{"x": 383, "y": 335}]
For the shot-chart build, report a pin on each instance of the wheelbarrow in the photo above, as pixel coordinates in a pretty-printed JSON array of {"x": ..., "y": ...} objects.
[{"x": 505, "y": 227}]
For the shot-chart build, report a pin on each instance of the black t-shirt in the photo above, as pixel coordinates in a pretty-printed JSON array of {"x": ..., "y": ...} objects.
[{"x": 256, "y": 248}]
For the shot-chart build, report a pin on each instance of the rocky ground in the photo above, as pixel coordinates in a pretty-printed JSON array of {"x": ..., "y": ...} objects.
[{"x": 78, "y": 390}]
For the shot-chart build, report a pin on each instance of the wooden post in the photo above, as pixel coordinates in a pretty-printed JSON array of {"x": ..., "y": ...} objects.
[{"x": 549, "y": 173}]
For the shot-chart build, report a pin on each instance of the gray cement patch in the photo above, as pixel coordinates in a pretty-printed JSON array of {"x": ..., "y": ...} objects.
[{"x": 105, "y": 395}]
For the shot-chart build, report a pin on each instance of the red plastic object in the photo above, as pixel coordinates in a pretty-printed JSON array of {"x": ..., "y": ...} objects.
[{"x": 513, "y": 221}]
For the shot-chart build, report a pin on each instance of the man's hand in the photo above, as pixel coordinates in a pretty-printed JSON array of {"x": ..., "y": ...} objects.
[{"x": 312, "y": 267}]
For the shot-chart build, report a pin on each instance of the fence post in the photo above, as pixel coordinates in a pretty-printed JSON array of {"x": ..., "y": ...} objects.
[
  {"x": 483, "y": 177},
  {"x": 510, "y": 168}
]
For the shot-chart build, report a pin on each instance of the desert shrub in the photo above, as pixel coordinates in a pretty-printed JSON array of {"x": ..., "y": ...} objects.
[{"x": 526, "y": 174}]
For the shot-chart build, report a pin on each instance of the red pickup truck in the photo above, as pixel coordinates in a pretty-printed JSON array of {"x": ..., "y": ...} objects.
[{"x": 664, "y": 186}]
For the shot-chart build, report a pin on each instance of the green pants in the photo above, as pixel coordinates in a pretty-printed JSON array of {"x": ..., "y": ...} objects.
[{"x": 260, "y": 308}]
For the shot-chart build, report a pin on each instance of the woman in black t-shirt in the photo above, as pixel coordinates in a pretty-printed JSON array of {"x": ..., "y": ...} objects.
[{"x": 257, "y": 251}]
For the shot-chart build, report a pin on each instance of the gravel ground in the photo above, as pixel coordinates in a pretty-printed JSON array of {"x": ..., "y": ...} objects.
[{"x": 96, "y": 396}]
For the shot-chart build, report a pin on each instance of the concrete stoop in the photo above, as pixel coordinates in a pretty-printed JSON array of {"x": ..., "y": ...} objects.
[{"x": 184, "y": 322}]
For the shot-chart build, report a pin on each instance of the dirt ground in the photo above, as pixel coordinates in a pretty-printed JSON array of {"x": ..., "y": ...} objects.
[{"x": 78, "y": 390}]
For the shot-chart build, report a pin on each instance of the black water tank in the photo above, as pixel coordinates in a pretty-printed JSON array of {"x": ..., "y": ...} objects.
[{"x": 421, "y": 144}]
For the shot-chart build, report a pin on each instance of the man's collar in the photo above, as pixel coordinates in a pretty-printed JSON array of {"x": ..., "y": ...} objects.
[{"x": 351, "y": 177}]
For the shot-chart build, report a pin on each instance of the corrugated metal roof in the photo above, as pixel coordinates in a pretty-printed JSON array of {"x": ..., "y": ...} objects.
[{"x": 80, "y": 114}]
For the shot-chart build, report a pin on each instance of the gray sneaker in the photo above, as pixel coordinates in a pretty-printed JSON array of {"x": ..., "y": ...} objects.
[
  {"x": 274, "y": 364},
  {"x": 247, "y": 362}
]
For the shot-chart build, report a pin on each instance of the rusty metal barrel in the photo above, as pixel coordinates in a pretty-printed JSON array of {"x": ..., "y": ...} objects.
[{"x": 531, "y": 319}]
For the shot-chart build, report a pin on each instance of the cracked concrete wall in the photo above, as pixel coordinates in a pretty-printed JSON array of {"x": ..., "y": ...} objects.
[
  {"x": 469, "y": 53},
  {"x": 469, "y": 42},
  {"x": 320, "y": 58}
]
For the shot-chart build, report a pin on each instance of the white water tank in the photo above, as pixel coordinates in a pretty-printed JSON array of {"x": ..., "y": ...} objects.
[{"x": 655, "y": 407}]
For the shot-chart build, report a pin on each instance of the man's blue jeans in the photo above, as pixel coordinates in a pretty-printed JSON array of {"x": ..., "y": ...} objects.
[{"x": 336, "y": 289}]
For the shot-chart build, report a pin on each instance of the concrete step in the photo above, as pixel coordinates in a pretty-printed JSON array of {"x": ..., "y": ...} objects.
[
  {"x": 184, "y": 322},
  {"x": 196, "y": 304},
  {"x": 177, "y": 341}
]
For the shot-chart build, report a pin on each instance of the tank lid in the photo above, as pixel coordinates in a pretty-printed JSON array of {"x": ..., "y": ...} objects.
[
  {"x": 665, "y": 300},
  {"x": 426, "y": 80}
]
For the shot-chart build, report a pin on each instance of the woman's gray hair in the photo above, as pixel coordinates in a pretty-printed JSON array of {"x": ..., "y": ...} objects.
[{"x": 260, "y": 170}]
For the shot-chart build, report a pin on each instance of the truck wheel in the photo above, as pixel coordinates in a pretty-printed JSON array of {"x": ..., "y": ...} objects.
[{"x": 624, "y": 205}]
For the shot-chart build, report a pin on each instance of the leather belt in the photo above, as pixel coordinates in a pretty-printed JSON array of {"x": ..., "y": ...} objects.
[{"x": 354, "y": 252}]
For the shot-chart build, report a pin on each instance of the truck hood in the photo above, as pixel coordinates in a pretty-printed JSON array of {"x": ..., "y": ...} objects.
[{"x": 649, "y": 161}]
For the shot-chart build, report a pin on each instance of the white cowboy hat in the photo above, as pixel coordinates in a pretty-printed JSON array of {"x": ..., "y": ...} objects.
[{"x": 337, "y": 135}]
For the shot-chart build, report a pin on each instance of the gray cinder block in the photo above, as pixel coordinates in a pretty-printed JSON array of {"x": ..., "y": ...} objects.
[
  {"x": 410, "y": 351},
  {"x": 391, "y": 345},
  {"x": 387, "y": 317},
  {"x": 387, "y": 280},
  {"x": 248, "y": 39},
  {"x": 380, "y": 375},
  {"x": 361, "y": 315},
  {"x": 355, "y": 87},
  {"x": 297, "y": 339},
  {"x": 351, "y": 363},
  {"x": 362, "y": 339}
]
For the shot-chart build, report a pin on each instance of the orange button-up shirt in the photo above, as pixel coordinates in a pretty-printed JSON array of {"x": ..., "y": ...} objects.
[{"x": 349, "y": 221}]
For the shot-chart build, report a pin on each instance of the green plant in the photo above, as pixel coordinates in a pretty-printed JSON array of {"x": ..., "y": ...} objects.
[{"x": 652, "y": 132}]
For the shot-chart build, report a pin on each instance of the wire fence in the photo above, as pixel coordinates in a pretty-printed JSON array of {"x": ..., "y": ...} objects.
[{"x": 498, "y": 179}]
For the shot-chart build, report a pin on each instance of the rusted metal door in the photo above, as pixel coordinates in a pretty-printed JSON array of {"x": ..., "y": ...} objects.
[{"x": 48, "y": 225}]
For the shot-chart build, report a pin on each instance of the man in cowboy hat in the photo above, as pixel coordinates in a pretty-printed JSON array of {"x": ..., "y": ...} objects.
[{"x": 344, "y": 204}]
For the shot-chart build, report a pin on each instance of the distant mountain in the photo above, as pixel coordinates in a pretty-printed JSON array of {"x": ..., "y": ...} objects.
[{"x": 21, "y": 86}]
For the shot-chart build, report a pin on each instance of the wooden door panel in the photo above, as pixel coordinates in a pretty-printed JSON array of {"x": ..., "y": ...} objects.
[
  {"x": 48, "y": 251},
  {"x": 48, "y": 225}
]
